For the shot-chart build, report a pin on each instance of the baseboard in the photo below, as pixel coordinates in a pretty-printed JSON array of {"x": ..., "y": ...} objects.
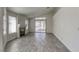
[{"x": 59, "y": 38}]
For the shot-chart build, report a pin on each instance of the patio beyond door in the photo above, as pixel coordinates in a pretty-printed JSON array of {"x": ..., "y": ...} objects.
[{"x": 40, "y": 26}]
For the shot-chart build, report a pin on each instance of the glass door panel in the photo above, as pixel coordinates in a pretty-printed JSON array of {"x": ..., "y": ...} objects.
[{"x": 40, "y": 26}]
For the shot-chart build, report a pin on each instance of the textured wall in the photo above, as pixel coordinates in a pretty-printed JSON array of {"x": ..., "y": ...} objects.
[
  {"x": 1, "y": 29},
  {"x": 66, "y": 27}
]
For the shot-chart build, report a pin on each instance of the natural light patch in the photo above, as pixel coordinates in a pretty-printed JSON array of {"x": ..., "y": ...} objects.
[
  {"x": 4, "y": 24},
  {"x": 12, "y": 24},
  {"x": 39, "y": 18}
]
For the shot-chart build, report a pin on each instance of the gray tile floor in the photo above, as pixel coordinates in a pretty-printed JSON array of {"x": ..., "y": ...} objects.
[{"x": 36, "y": 42}]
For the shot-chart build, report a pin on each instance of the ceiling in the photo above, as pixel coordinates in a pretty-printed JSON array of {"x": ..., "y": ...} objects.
[{"x": 31, "y": 11}]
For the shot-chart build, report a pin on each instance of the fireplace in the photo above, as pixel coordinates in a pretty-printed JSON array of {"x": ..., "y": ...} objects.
[{"x": 22, "y": 31}]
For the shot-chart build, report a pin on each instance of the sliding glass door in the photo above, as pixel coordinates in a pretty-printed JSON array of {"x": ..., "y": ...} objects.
[{"x": 40, "y": 26}]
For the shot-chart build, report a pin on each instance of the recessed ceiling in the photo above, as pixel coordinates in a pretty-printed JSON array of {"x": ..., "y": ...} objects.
[{"x": 31, "y": 11}]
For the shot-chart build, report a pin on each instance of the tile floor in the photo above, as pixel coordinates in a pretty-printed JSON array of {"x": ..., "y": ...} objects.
[{"x": 36, "y": 42}]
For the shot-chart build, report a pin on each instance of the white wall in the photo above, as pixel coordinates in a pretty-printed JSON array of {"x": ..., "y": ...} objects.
[
  {"x": 1, "y": 29},
  {"x": 27, "y": 30},
  {"x": 32, "y": 25},
  {"x": 66, "y": 27},
  {"x": 21, "y": 20},
  {"x": 48, "y": 23},
  {"x": 5, "y": 35}
]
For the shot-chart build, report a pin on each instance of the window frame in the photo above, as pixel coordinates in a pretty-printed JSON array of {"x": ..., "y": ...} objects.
[{"x": 10, "y": 32}]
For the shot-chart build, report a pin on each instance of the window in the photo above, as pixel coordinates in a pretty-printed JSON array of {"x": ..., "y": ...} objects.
[
  {"x": 40, "y": 24},
  {"x": 12, "y": 24}
]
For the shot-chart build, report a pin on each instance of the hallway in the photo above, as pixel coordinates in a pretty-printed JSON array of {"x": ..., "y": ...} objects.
[{"x": 36, "y": 42}]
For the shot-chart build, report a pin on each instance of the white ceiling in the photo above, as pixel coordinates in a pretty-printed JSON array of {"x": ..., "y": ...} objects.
[{"x": 31, "y": 11}]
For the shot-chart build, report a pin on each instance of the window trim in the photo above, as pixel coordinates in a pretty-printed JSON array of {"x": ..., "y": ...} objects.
[{"x": 9, "y": 23}]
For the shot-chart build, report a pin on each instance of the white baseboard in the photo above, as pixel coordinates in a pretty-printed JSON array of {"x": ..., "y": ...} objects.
[{"x": 61, "y": 40}]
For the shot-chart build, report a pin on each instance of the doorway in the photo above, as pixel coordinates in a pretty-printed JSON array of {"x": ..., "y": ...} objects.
[{"x": 40, "y": 26}]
